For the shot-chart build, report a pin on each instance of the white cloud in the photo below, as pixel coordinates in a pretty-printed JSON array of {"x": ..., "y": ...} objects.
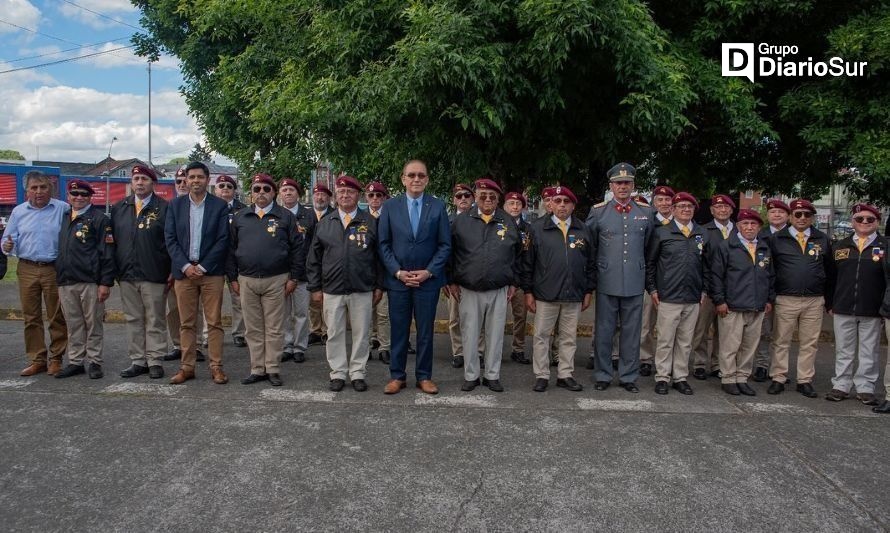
[
  {"x": 20, "y": 12},
  {"x": 111, "y": 8}
]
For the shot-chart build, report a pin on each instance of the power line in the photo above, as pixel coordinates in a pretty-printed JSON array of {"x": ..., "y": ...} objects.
[
  {"x": 45, "y": 35},
  {"x": 64, "y": 51},
  {"x": 103, "y": 15},
  {"x": 67, "y": 60}
]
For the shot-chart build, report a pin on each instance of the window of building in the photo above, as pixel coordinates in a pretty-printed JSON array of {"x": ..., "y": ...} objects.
[{"x": 749, "y": 194}]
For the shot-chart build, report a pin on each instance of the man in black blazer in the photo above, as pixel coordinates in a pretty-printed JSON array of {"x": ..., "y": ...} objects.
[{"x": 197, "y": 236}]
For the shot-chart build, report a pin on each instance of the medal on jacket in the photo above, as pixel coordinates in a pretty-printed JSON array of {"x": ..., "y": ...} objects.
[
  {"x": 361, "y": 234},
  {"x": 83, "y": 232},
  {"x": 146, "y": 219},
  {"x": 764, "y": 261},
  {"x": 501, "y": 230},
  {"x": 877, "y": 254},
  {"x": 699, "y": 243},
  {"x": 272, "y": 226},
  {"x": 814, "y": 248}
]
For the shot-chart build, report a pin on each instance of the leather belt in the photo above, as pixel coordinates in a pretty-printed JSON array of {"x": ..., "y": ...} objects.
[{"x": 37, "y": 263}]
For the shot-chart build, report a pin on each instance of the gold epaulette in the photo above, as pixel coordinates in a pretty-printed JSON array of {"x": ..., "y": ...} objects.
[{"x": 601, "y": 204}]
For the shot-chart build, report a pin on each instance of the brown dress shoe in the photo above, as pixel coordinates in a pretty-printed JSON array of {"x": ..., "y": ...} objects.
[
  {"x": 394, "y": 386},
  {"x": 427, "y": 386},
  {"x": 218, "y": 376},
  {"x": 182, "y": 376},
  {"x": 34, "y": 368},
  {"x": 55, "y": 366}
]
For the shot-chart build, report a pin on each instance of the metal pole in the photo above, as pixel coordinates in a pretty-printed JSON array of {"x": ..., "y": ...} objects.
[
  {"x": 108, "y": 179},
  {"x": 149, "y": 114}
]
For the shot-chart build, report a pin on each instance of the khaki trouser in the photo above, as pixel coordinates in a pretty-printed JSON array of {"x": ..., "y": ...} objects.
[
  {"x": 174, "y": 324},
  {"x": 83, "y": 316},
  {"x": 564, "y": 317},
  {"x": 380, "y": 323},
  {"x": 739, "y": 335},
  {"x": 676, "y": 326},
  {"x": 143, "y": 304},
  {"x": 520, "y": 313},
  {"x": 647, "y": 331},
  {"x": 856, "y": 338},
  {"x": 483, "y": 311},
  {"x": 805, "y": 314},
  {"x": 38, "y": 283},
  {"x": 457, "y": 347},
  {"x": 208, "y": 291},
  {"x": 316, "y": 319},
  {"x": 296, "y": 320},
  {"x": 358, "y": 306},
  {"x": 262, "y": 304},
  {"x": 237, "y": 318},
  {"x": 763, "y": 356},
  {"x": 705, "y": 355}
]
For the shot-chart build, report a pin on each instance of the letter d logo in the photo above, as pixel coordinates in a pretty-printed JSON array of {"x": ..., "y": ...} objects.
[{"x": 737, "y": 59}]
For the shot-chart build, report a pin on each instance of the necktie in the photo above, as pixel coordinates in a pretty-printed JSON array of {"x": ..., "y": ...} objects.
[
  {"x": 317, "y": 215},
  {"x": 73, "y": 214},
  {"x": 859, "y": 244},
  {"x": 565, "y": 230},
  {"x": 666, "y": 221},
  {"x": 486, "y": 218},
  {"x": 260, "y": 213},
  {"x": 415, "y": 215},
  {"x": 138, "y": 206},
  {"x": 725, "y": 232},
  {"x": 685, "y": 231},
  {"x": 346, "y": 220},
  {"x": 802, "y": 241},
  {"x": 751, "y": 249},
  {"x": 375, "y": 214}
]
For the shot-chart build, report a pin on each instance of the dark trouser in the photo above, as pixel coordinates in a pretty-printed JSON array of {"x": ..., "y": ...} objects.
[
  {"x": 610, "y": 311},
  {"x": 403, "y": 305}
]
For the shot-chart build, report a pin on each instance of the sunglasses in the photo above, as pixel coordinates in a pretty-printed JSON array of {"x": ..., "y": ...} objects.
[
  {"x": 264, "y": 188},
  {"x": 416, "y": 175},
  {"x": 802, "y": 214},
  {"x": 79, "y": 194},
  {"x": 462, "y": 195},
  {"x": 684, "y": 207},
  {"x": 374, "y": 195},
  {"x": 487, "y": 197},
  {"x": 179, "y": 181},
  {"x": 560, "y": 201},
  {"x": 225, "y": 186},
  {"x": 864, "y": 220}
]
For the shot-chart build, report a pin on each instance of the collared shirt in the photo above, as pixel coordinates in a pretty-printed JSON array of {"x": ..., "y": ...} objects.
[
  {"x": 265, "y": 210},
  {"x": 681, "y": 226},
  {"x": 773, "y": 229},
  {"x": 144, "y": 201},
  {"x": 35, "y": 232},
  {"x": 868, "y": 240},
  {"x": 295, "y": 209},
  {"x": 375, "y": 214},
  {"x": 344, "y": 215},
  {"x": 555, "y": 220},
  {"x": 82, "y": 211},
  {"x": 793, "y": 231},
  {"x": 746, "y": 241},
  {"x": 196, "y": 221},
  {"x": 728, "y": 227},
  {"x": 661, "y": 218}
]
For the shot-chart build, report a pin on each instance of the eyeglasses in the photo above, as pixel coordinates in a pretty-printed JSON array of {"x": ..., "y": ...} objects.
[
  {"x": 374, "y": 195},
  {"x": 264, "y": 188},
  {"x": 225, "y": 186},
  {"x": 488, "y": 197},
  {"x": 802, "y": 214},
  {"x": 684, "y": 207},
  {"x": 560, "y": 201},
  {"x": 180, "y": 181},
  {"x": 864, "y": 220},
  {"x": 81, "y": 194},
  {"x": 462, "y": 195},
  {"x": 416, "y": 175}
]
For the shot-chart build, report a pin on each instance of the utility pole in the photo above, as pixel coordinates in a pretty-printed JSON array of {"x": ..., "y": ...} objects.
[
  {"x": 107, "y": 175},
  {"x": 150, "y": 164}
]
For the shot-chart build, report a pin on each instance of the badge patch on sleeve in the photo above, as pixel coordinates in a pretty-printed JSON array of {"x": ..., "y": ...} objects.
[{"x": 109, "y": 237}]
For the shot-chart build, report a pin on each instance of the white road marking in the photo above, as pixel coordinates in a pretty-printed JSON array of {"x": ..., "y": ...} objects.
[
  {"x": 774, "y": 408},
  {"x": 615, "y": 405},
  {"x": 14, "y": 383},
  {"x": 284, "y": 395},
  {"x": 141, "y": 388},
  {"x": 455, "y": 401}
]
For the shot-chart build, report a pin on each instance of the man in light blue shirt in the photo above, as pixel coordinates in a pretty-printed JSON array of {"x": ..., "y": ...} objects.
[{"x": 33, "y": 236}]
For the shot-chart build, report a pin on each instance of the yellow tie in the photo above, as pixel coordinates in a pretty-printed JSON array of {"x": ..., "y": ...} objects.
[
  {"x": 346, "y": 220},
  {"x": 859, "y": 244},
  {"x": 751, "y": 249},
  {"x": 802, "y": 240},
  {"x": 565, "y": 229},
  {"x": 73, "y": 214},
  {"x": 375, "y": 214},
  {"x": 685, "y": 231},
  {"x": 260, "y": 213},
  {"x": 666, "y": 221},
  {"x": 486, "y": 218},
  {"x": 317, "y": 215},
  {"x": 138, "y": 206},
  {"x": 725, "y": 232}
]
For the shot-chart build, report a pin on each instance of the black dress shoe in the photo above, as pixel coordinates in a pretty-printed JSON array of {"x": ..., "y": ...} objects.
[
  {"x": 375, "y": 344},
  {"x": 155, "y": 371},
  {"x": 646, "y": 369},
  {"x": 70, "y": 370},
  {"x": 95, "y": 371},
  {"x": 715, "y": 374},
  {"x": 541, "y": 385},
  {"x": 337, "y": 385},
  {"x": 699, "y": 373},
  {"x": 630, "y": 387},
  {"x": 661, "y": 387},
  {"x": 683, "y": 388},
  {"x": 275, "y": 380},
  {"x": 494, "y": 385},
  {"x": 299, "y": 357},
  {"x": 469, "y": 385},
  {"x": 521, "y": 358},
  {"x": 591, "y": 362},
  {"x": 254, "y": 378},
  {"x": 286, "y": 356},
  {"x": 883, "y": 408},
  {"x": 133, "y": 371},
  {"x": 807, "y": 390},
  {"x": 760, "y": 374},
  {"x": 384, "y": 356},
  {"x": 731, "y": 388},
  {"x": 776, "y": 387},
  {"x": 601, "y": 385},
  {"x": 315, "y": 338},
  {"x": 174, "y": 355},
  {"x": 359, "y": 385},
  {"x": 569, "y": 383},
  {"x": 457, "y": 361},
  {"x": 199, "y": 356},
  {"x": 411, "y": 350},
  {"x": 239, "y": 341},
  {"x": 746, "y": 389}
]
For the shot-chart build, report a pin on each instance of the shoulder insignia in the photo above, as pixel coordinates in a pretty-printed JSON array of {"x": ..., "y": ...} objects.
[{"x": 601, "y": 204}]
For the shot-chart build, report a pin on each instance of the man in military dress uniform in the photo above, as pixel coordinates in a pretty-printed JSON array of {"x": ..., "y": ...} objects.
[
  {"x": 296, "y": 308},
  {"x": 514, "y": 204},
  {"x": 620, "y": 229}
]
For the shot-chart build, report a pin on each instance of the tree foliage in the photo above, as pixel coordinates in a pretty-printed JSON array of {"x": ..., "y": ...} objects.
[
  {"x": 201, "y": 153},
  {"x": 12, "y": 155},
  {"x": 532, "y": 91}
]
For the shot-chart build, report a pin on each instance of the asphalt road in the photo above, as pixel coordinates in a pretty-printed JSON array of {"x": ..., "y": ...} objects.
[{"x": 141, "y": 455}]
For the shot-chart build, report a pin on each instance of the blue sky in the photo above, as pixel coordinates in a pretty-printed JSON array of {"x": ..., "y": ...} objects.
[{"x": 71, "y": 111}]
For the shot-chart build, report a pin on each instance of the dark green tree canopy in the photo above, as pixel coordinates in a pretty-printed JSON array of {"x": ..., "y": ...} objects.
[
  {"x": 11, "y": 154},
  {"x": 532, "y": 91}
]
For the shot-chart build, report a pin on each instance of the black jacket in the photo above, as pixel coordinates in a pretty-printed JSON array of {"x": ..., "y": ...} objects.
[
  {"x": 712, "y": 239},
  {"x": 557, "y": 268},
  {"x": 236, "y": 206},
  {"x": 140, "y": 249},
  {"x": 306, "y": 222},
  {"x": 86, "y": 250},
  {"x": 344, "y": 260},
  {"x": 801, "y": 273},
  {"x": 739, "y": 282},
  {"x": 861, "y": 278},
  {"x": 675, "y": 264},
  {"x": 885, "y": 304},
  {"x": 484, "y": 256},
  {"x": 262, "y": 248}
]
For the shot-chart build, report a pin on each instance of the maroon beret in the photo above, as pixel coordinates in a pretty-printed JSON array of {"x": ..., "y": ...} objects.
[
  {"x": 801, "y": 203},
  {"x": 376, "y": 186},
  {"x": 80, "y": 185},
  {"x": 750, "y": 214},
  {"x": 517, "y": 196},
  {"x": 722, "y": 199},
  {"x": 859, "y": 208},
  {"x": 222, "y": 178},
  {"x": 776, "y": 203},
  {"x": 461, "y": 186},
  {"x": 548, "y": 192},
  {"x": 321, "y": 187},
  {"x": 264, "y": 178},
  {"x": 663, "y": 190},
  {"x": 290, "y": 182},
  {"x": 640, "y": 199},
  {"x": 145, "y": 171},
  {"x": 561, "y": 190},
  {"x": 487, "y": 184},
  {"x": 684, "y": 197},
  {"x": 349, "y": 182}
]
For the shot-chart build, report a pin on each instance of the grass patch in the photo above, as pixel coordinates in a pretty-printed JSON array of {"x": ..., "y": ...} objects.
[{"x": 11, "y": 269}]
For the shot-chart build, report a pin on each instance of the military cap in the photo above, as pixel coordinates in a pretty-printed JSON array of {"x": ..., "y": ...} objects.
[
  {"x": 290, "y": 182},
  {"x": 663, "y": 190},
  {"x": 180, "y": 172},
  {"x": 803, "y": 204},
  {"x": 144, "y": 171},
  {"x": 863, "y": 208},
  {"x": 223, "y": 178},
  {"x": 461, "y": 186},
  {"x": 517, "y": 196},
  {"x": 562, "y": 190},
  {"x": 621, "y": 172},
  {"x": 80, "y": 185},
  {"x": 321, "y": 187},
  {"x": 548, "y": 192},
  {"x": 488, "y": 184},
  {"x": 722, "y": 199},
  {"x": 264, "y": 179},
  {"x": 684, "y": 197},
  {"x": 349, "y": 182},
  {"x": 750, "y": 214},
  {"x": 376, "y": 186},
  {"x": 776, "y": 203}
]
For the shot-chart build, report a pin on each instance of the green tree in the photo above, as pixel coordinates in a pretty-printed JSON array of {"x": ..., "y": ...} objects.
[
  {"x": 178, "y": 161},
  {"x": 532, "y": 91},
  {"x": 13, "y": 155},
  {"x": 201, "y": 153}
]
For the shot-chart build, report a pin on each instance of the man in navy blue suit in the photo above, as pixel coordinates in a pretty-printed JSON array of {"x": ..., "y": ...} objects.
[
  {"x": 415, "y": 241},
  {"x": 197, "y": 235}
]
